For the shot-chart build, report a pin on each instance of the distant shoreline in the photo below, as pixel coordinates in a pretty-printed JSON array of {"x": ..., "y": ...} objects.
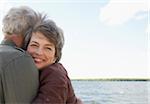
[{"x": 112, "y": 79}]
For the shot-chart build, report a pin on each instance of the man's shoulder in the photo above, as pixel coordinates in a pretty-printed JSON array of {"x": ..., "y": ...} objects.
[
  {"x": 20, "y": 49},
  {"x": 10, "y": 54},
  {"x": 9, "y": 50}
]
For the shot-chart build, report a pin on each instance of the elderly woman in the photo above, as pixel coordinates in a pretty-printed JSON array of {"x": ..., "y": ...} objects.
[{"x": 45, "y": 47}]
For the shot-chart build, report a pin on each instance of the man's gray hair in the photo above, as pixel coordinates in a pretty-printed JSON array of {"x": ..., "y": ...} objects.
[{"x": 19, "y": 20}]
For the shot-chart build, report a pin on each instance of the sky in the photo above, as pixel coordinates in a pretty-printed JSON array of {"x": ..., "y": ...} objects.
[{"x": 103, "y": 38}]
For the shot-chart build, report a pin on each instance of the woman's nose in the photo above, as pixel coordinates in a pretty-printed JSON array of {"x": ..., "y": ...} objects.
[{"x": 39, "y": 51}]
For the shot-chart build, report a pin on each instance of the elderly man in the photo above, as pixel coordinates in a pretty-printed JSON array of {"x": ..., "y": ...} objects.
[{"x": 19, "y": 78}]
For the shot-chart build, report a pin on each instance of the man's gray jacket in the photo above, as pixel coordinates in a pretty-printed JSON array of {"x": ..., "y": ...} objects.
[{"x": 19, "y": 78}]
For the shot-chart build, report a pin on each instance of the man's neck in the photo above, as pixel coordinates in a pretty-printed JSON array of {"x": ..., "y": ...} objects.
[{"x": 17, "y": 39}]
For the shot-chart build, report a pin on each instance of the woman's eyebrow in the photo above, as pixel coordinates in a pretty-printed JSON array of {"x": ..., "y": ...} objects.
[
  {"x": 49, "y": 45},
  {"x": 34, "y": 42}
]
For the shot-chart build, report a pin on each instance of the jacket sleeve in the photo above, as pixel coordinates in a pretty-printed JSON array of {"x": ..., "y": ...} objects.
[{"x": 54, "y": 86}]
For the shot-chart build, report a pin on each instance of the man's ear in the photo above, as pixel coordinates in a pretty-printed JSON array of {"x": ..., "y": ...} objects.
[{"x": 17, "y": 39}]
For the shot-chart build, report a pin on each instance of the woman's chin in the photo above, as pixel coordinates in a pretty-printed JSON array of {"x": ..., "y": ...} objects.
[{"x": 38, "y": 66}]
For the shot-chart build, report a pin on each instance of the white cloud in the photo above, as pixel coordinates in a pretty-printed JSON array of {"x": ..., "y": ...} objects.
[{"x": 121, "y": 11}]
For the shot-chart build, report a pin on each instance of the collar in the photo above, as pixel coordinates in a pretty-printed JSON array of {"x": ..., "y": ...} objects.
[{"x": 8, "y": 42}]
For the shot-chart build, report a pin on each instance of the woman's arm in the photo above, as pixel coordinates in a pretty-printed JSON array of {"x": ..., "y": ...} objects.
[{"x": 55, "y": 86}]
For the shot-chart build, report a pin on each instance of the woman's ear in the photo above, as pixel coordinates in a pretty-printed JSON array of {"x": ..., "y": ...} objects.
[{"x": 54, "y": 60}]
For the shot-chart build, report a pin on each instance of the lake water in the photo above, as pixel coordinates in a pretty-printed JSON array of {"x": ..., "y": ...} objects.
[{"x": 113, "y": 92}]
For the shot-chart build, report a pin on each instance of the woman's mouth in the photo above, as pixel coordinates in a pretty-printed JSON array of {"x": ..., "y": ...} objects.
[{"x": 38, "y": 60}]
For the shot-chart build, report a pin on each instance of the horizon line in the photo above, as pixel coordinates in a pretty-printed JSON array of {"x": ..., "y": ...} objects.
[{"x": 113, "y": 79}]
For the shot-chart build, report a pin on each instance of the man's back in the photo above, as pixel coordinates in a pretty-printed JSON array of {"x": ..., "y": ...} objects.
[{"x": 18, "y": 75}]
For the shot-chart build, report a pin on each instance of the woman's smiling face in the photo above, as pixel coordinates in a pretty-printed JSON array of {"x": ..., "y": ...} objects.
[{"x": 41, "y": 50}]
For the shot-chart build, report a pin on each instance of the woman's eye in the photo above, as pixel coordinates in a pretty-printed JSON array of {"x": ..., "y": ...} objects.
[
  {"x": 33, "y": 45},
  {"x": 49, "y": 48}
]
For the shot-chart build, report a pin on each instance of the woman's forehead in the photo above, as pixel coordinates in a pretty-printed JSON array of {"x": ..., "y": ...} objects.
[{"x": 39, "y": 37}]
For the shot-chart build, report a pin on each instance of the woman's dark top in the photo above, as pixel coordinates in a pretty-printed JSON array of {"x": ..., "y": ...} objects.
[{"x": 55, "y": 86}]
